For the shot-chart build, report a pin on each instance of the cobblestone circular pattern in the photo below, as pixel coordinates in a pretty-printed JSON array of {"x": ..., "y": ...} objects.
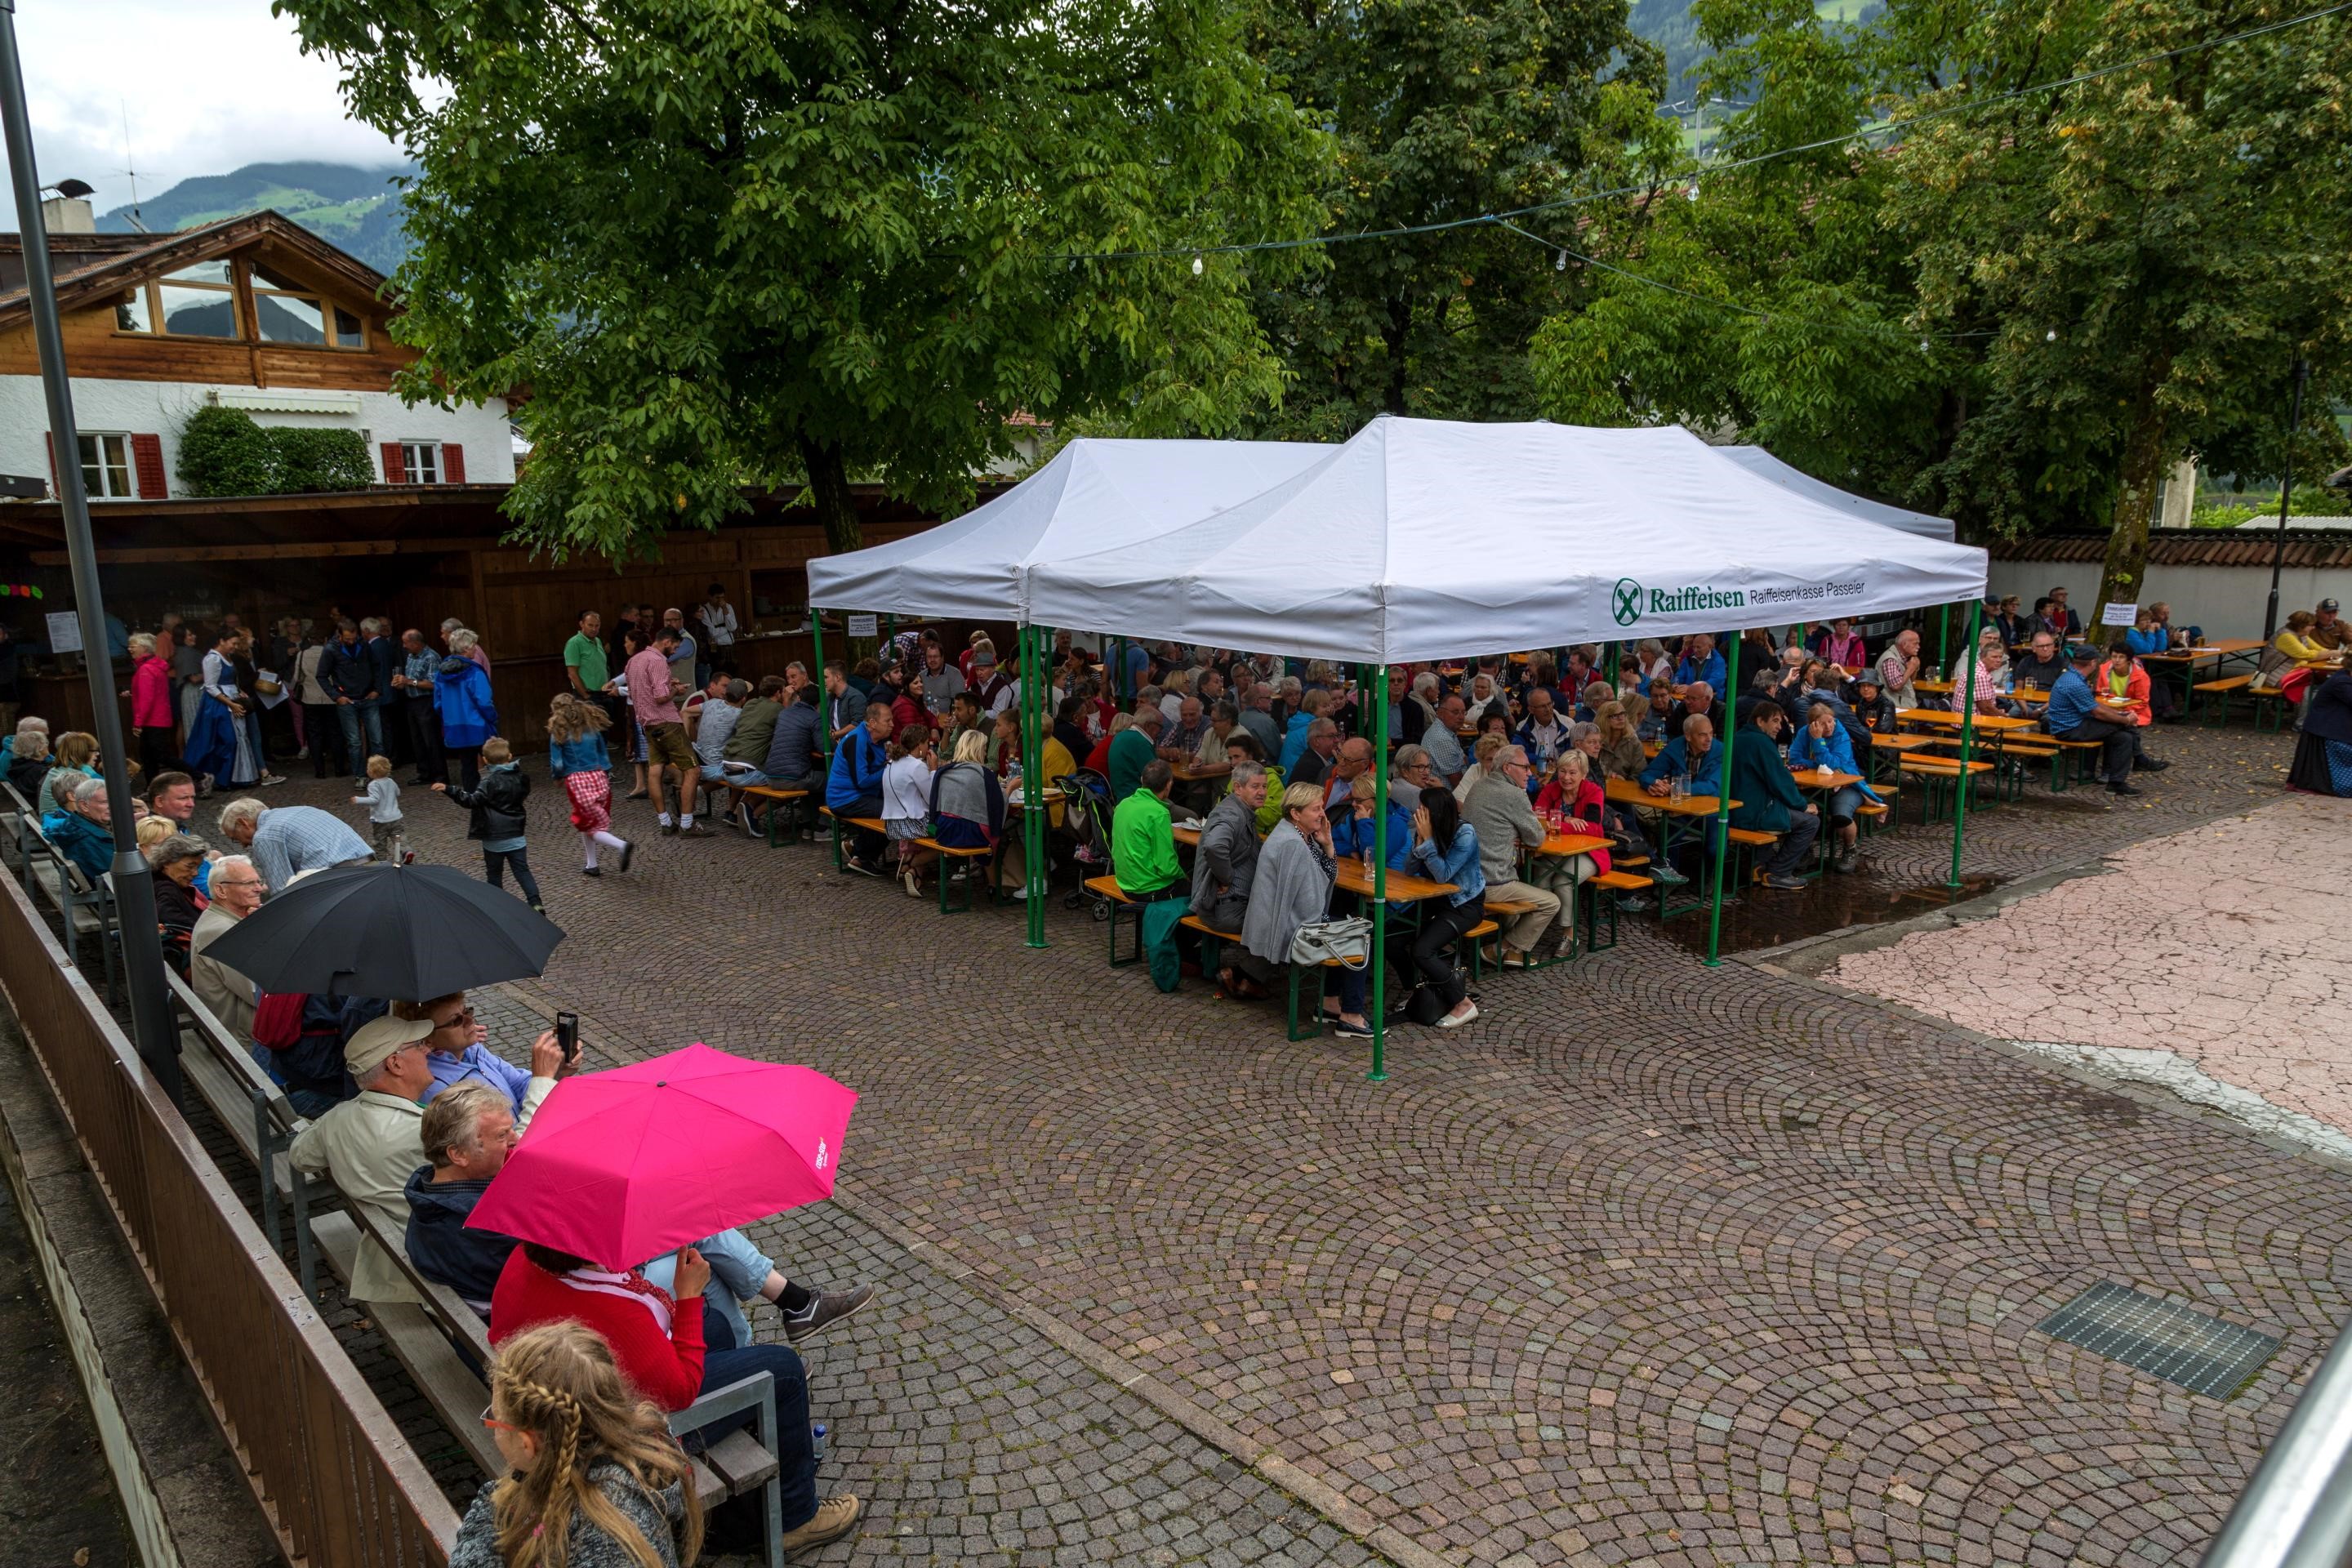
[{"x": 1651, "y": 1264}]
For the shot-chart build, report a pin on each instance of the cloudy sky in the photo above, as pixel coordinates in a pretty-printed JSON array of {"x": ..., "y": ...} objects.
[{"x": 208, "y": 85}]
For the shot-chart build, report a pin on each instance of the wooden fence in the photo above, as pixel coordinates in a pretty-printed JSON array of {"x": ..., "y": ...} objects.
[{"x": 338, "y": 1480}]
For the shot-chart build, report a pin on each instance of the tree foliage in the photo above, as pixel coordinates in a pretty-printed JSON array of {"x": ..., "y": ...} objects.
[
  {"x": 1440, "y": 112},
  {"x": 728, "y": 242},
  {"x": 2020, "y": 315}
]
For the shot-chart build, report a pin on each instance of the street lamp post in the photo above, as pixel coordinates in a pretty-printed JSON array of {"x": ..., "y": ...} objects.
[{"x": 134, "y": 886}]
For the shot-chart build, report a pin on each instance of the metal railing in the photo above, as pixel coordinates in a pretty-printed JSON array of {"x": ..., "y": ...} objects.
[
  {"x": 339, "y": 1482},
  {"x": 2297, "y": 1510}
]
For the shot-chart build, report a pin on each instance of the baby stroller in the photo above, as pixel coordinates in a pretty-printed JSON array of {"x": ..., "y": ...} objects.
[{"x": 1089, "y": 819}]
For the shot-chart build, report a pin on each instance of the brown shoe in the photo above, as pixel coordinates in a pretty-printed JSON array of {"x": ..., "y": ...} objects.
[
  {"x": 835, "y": 1517},
  {"x": 696, "y": 830}
]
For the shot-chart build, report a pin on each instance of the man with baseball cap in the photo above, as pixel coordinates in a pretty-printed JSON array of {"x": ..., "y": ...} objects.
[
  {"x": 368, "y": 1145},
  {"x": 2327, "y": 629}
]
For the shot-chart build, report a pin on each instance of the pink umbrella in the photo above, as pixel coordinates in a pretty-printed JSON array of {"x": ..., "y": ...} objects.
[{"x": 621, "y": 1166}]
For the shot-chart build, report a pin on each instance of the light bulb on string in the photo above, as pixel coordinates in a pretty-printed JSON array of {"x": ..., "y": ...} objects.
[
  {"x": 2051, "y": 336},
  {"x": 1559, "y": 262},
  {"x": 1196, "y": 267}
]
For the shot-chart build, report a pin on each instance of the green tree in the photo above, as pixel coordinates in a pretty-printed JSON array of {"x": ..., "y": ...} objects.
[
  {"x": 1441, "y": 110},
  {"x": 2153, "y": 248},
  {"x": 2020, "y": 315},
  {"x": 730, "y": 242}
]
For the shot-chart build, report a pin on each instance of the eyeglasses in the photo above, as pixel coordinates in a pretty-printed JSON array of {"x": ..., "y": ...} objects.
[
  {"x": 465, "y": 1017},
  {"x": 488, "y": 1420}
]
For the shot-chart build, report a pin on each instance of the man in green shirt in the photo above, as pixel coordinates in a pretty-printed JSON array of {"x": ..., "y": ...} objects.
[
  {"x": 1132, "y": 749},
  {"x": 1143, "y": 841},
  {"x": 585, "y": 667}
]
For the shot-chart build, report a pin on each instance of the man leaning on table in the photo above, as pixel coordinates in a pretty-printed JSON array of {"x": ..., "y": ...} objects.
[{"x": 2077, "y": 713}]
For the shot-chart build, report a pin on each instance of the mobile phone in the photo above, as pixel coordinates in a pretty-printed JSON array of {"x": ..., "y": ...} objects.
[{"x": 567, "y": 1034}]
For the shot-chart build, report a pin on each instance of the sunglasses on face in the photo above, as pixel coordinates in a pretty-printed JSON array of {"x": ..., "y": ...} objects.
[{"x": 455, "y": 1019}]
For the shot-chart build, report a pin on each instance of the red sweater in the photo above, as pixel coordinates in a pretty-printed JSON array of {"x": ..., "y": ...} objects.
[{"x": 664, "y": 1363}]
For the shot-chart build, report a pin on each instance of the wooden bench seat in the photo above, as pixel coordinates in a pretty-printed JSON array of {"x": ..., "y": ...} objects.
[
  {"x": 966, "y": 852},
  {"x": 2228, "y": 683},
  {"x": 1755, "y": 838},
  {"x": 871, "y": 823},
  {"x": 1608, "y": 887},
  {"x": 779, "y": 798},
  {"x": 1107, "y": 889}
]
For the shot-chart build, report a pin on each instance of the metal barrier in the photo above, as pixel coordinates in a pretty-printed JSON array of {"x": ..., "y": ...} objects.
[
  {"x": 2297, "y": 1510},
  {"x": 338, "y": 1480}
]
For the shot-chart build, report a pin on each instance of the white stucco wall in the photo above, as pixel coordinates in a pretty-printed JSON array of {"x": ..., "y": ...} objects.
[
  {"x": 159, "y": 408},
  {"x": 2226, "y": 601}
]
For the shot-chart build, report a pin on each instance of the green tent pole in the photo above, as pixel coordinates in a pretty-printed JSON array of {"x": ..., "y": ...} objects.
[
  {"x": 1380, "y": 1073},
  {"x": 1034, "y": 843},
  {"x": 1723, "y": 804},
  {"x": 1033, "y": 784},
  {"x": 824, "y": 704},
  {"x": 1967, "y": 734}
]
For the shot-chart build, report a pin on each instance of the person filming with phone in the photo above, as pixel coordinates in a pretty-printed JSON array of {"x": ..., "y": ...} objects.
[{"x": 458, "y": 1051}]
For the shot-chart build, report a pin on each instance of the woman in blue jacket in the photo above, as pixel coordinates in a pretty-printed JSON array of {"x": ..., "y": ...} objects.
[
  {"x": 1445, "y": 850},
  {"x": 461, "y": 692},
  {"x": 1823, "y": 742}
]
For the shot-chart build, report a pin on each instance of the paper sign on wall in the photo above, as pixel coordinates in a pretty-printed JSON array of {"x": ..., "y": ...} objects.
[
  {"x": 2119, "y": 614},
  {"x": 865, "y": 625},
  {"x": 65, "y": 632}
]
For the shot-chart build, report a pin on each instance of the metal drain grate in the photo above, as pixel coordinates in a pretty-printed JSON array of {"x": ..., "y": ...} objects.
[{"x": 2164, "y": 1339}]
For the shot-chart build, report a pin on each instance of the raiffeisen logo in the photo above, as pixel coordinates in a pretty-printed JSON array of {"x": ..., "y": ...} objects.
[
  {"x": 1626, "y": 602},
  {"x": 1663, "y": 603}
]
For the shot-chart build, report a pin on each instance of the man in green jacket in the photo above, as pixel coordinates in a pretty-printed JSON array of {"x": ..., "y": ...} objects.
[
  {"x": 1770, "y": 800},
  {"x": 1143, "y": 839}
]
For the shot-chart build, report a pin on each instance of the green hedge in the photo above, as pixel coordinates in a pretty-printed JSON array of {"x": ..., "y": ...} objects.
[{"x": 223, "y": 453}]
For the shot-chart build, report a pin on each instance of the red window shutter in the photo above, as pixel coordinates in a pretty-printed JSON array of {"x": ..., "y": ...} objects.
[
  {"x": 453, "y": 463},
  {"x": 147, "y": 462},
  {"x": 395, "y": 472}
]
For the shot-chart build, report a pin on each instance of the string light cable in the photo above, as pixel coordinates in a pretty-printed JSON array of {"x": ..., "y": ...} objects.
[{"x": 1949, "y": 111}]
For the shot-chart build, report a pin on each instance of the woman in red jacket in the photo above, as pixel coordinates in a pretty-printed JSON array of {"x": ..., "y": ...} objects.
[
  {"x": 673, "y": 1355},
  {"x": 150, "y": 707}
]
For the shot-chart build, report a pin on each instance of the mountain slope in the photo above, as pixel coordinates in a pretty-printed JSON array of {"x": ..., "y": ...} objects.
[{"x": 357, "y": 209}]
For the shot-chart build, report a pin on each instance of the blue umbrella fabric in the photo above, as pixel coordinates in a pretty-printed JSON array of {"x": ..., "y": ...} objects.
[{"x": 403, "y": 933}]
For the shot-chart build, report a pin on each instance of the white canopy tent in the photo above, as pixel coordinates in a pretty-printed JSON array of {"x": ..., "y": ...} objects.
[
  {"x": 1094, "y": 495},
  {"x": 1418, "y": 539},
  {"x": 1423, "y": 539},
  {"x": 1764, "y": 465}
]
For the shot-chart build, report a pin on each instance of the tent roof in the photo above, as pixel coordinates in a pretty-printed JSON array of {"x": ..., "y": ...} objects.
[
  {"x": 1421, "y": 539},
  {"x": 1094, "y": 494},
  {"x": 1764, "y": 465}
]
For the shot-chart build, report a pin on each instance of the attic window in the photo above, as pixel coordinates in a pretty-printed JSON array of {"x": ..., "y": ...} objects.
[
  {"x": 198, "y": 301},
  {"x": 286, "y": 312}
]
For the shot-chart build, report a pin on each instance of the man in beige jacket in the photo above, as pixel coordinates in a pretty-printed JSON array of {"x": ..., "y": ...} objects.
[{"x": 368, "y": 1146}]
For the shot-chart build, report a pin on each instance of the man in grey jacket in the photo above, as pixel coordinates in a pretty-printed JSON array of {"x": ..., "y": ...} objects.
[
  {"x": 1499, "y": 809},
  {"x": 1226, "y": 862}
]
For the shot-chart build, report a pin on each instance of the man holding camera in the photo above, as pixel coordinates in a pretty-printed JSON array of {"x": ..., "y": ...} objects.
[{"x": 458, "y": 1051}]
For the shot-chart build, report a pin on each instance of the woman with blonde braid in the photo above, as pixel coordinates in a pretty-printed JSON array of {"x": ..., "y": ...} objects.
[{"x": 597, "y": 1479}]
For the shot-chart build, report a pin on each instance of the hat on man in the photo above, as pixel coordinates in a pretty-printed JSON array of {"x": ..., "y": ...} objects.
[
  {"x": 2328, "y": 605},
  {"x": 373, "y": 1043},
  {"x": 2082, "y": 653},
  {"x": 983, "y": 658}
]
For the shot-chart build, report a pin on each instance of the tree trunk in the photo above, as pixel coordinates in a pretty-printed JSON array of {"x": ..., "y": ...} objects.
[
  {"x": 2125, "y": 573},
  {"x": 1399, "y": 334},
  {"x": 828, "y": 481}
]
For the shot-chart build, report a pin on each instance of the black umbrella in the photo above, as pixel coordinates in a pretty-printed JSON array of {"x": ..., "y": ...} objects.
[{"x": 405, "y": 933}]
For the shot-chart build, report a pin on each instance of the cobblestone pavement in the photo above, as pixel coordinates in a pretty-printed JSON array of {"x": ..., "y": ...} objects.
[
  {"x": 2234, "y": 915},
  {"x": 1653, "y": 1263}
]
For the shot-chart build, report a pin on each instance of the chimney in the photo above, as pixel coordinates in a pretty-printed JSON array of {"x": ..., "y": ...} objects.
[{"x": 69, "y": 215}]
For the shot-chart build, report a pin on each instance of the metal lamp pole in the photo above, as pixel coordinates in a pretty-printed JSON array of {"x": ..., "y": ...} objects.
[
  {"x": 134, "y": 886},
  {"x": 2278, "y": 544}
]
